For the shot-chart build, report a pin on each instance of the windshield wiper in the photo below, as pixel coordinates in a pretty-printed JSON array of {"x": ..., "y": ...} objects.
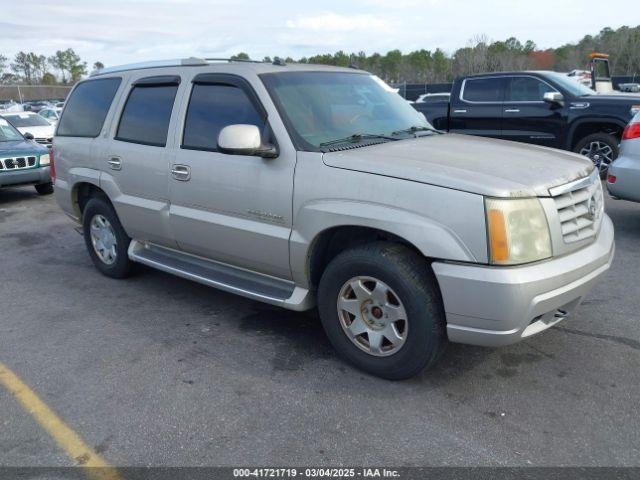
[
  {"x": 416, "y": 128},
  {"x": 355, "y": 138}
]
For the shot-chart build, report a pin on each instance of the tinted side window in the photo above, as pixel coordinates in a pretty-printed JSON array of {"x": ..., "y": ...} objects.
[
  {"x": 213, "y": 107},
  {"x": 526, "y": 89},
  {"x": 483, "y": 90},
  {"x": 87, "y": 108},
  {"x": 146, "y": 115}
]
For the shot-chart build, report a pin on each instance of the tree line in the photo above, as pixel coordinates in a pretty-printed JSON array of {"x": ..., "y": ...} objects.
[
  {"x": 419, "y": 66},
  {"x": 64, "y": 67},
  {"x": 482, "y": 55}
]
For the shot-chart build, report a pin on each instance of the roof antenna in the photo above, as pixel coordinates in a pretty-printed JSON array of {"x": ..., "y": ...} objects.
[{"x": 279, "y": 62}]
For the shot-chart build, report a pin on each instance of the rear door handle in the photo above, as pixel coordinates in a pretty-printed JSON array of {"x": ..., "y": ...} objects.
[
  {"x": 512, "y": 110},
  {"x": 115, "y": 163},
  {"x": 460, "y": 111},
  {"x": 181, "y": 172}
]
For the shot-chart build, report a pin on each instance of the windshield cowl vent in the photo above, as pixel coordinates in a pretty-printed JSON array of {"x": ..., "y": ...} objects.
[{"x": 351, "y": 146}]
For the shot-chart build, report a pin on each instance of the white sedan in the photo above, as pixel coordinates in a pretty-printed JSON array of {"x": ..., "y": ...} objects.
[{"x": 29, "y": 122}]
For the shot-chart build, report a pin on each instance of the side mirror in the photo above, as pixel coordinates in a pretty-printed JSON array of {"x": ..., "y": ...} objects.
[
  {"x": 28, "y": 136},
  {"x": 244, "y": 140},
  {"x": 554, "y": 98}
]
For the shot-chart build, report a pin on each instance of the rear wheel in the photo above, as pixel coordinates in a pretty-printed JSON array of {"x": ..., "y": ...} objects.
[
  {"x": 601, "y": 148},
  {"x": 382, "y": 311},
  {"x": 44, "y": 188},
  {"x": 106, "y": 240}
]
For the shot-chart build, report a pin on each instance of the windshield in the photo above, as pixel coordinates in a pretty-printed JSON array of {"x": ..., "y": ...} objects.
[
  {"x": 568, "y": 83},
  {"x": 24, "y": 120},
  {"x": 322, "y": 107},
  {"x": 8, "y": 133}
]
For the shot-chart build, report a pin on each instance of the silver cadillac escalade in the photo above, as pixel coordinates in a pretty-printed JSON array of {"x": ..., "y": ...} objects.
[{"x": 309, "y": 186}]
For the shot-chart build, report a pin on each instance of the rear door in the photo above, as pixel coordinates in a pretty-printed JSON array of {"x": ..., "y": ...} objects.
[
  {"x": 136, "y": 162},
  {"x": 527, "y": 117},
  {"x": 478, "y": 108}
]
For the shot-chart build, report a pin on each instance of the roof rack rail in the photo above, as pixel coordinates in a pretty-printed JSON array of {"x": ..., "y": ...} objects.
[
  {"x": 178, "y": 62},
  {"x": 244, "y": 60}
]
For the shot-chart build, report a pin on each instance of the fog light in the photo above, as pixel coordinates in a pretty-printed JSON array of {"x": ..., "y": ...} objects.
[{"x": 611, "y": 179}]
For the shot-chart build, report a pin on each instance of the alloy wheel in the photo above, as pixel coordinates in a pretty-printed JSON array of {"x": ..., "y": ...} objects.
[
  {"x": 600, "y": 153},
  {"x": 103, "y": 239},
  {"x": 372, "y": 316}
]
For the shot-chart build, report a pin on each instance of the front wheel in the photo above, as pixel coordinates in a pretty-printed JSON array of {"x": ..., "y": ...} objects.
[
  {"x": 600, "y": 148},
  {"x": 382, "y": 310}
]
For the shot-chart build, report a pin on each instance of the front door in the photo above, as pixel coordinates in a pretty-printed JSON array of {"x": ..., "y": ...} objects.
[
  {"x": 527, "y": 117},
  {"x": 234, "y": 209}
]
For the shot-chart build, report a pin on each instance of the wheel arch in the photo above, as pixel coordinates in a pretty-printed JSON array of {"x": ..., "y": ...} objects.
[
  {"x": 332, "y": 227},
  {"x": 588, "y": 126},
  {"x": 82, "y": 192}
]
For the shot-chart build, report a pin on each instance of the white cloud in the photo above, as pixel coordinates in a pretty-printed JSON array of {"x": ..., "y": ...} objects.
[
  {"x": 123, "y": 31},
  {"x": 330, "y": 21}
]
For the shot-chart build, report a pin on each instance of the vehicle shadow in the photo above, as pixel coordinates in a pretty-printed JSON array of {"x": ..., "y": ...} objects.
[{"x": 17, "y": 194}]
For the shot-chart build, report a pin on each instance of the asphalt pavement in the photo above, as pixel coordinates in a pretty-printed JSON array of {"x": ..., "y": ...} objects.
[{"x": 157, "y": 370}]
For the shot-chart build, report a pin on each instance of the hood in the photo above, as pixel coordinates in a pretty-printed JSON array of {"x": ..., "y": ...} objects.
[
  {"x": 45, "y": 131},
  {"x": 621, "y": 98},
  {"x": 479, "y": 165},
  {"x": 21, "y": 147}
]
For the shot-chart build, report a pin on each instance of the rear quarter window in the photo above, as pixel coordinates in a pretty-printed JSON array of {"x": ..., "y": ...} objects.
[{"x": 87, "y": 108}]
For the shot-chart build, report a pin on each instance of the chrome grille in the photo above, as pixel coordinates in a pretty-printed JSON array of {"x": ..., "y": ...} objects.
[
  {"x": 580, "y": 209},
  {"x": 17, "y": 163}
]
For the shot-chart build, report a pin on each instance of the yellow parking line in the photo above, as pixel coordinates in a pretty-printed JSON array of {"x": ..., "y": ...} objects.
[{"x": 67, "y": 439}]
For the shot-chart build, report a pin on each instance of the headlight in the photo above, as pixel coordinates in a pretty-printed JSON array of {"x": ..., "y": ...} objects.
[
  {"x": 44, "y": 160},
  {"x": 518, "y": 231}
]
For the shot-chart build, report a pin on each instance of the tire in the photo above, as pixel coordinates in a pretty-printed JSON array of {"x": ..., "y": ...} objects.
[
  {"x": 601, "y": 148},
  {"x": 409, "y": 282},
  {"x": 44, "y": 188},
  {"x": 113, "y": 260}
]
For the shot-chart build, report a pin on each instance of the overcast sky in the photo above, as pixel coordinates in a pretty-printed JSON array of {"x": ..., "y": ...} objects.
[{"x": 119, "y": 31}]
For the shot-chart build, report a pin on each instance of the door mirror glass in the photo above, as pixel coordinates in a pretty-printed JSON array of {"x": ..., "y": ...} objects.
[
  {"x": 554, "y": 97},
  {"x": 244, "y": 139},
  {"x": 28, "y": 136}
]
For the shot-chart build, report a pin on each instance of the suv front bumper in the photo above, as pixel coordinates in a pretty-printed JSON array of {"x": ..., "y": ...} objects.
[
  {"x": 33, "y": 176},
  {"x": 493, "y": 306}
]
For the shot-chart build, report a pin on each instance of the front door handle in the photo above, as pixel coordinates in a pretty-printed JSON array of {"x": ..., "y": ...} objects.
[
  {"x": 181, "y": 172},
  {"x": 460, "y": 111},
  {"x": 512, "y": 110},
  {"x": 115, "y": 163}
]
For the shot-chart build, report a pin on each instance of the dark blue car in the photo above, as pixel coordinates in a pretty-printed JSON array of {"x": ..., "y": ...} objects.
[{"x": 23, "y": 161}]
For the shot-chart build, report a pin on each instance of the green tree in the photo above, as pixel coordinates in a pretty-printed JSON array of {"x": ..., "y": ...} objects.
[
  {"x": 49, "y": 79},
  {"x": 240, "y": 56},
  {"x": 98, "y": 66},
  {"x": 69, "y": 64}
]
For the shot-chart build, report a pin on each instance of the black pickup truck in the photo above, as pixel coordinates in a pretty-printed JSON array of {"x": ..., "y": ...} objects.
[{"x": 544, "y": 108}]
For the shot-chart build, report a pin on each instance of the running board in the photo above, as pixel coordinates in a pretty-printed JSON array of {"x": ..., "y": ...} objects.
[{"x": 249, "y": 284}]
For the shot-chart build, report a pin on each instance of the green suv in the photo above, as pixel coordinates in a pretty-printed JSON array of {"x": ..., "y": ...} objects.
[{"x": 23, "y": 161}]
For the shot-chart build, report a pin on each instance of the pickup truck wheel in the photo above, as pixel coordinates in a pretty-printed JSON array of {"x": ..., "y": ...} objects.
[
  {"x": 382, "y": 311},
  {"x": 44, "y": 188},
  {"x": 601, "y": 148},
  {"x": 105, "y": 239}
]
